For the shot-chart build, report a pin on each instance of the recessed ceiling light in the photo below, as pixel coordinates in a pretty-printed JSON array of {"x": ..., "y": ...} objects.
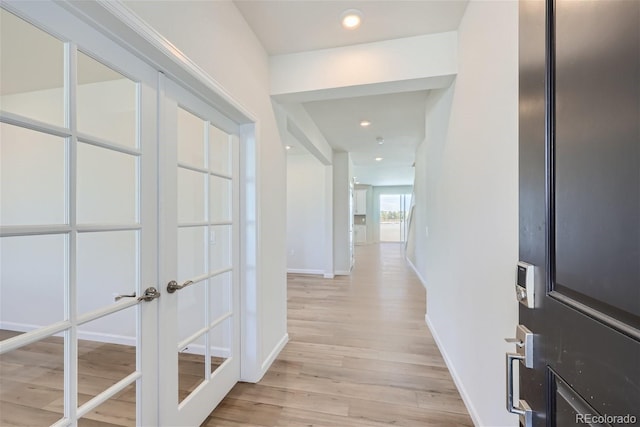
[
  {"x": 287, "y": 147},
  {"x": 380, "y": 140},
  {"x": 365, "y": 123},
  {"x": 378, "y": 159},
  {"x": 351, "y": 19}
]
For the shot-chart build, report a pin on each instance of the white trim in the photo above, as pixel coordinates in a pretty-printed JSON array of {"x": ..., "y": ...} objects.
[
  {"x": 343, "y": 273},
  {"x": 415, "y": 270},
  {"x": 224, "y": 352},
  {"x": 328, "y": 275},
  {"x": 305, "y": 271},
  {"x": 250, "y": 259},
  {"x": 19, "y": 327},
  {"x": 454, "y": 374},
  {"x": 107, "y": 338},
  {"x": 82, "y": 335},
  {"x": 136, "y": 35},
  {"x": 273, "y": 355}
]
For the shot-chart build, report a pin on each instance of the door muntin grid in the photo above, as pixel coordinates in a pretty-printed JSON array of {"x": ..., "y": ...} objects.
[
  {"x": 205, "y": 245},
  {"x": 85, "y": 161}
]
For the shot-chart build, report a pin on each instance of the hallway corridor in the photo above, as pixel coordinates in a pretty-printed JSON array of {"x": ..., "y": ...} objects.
[{"x": 359, "y": 355}]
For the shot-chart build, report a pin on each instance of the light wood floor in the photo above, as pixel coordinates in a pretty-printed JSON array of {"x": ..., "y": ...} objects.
[
  {"x": 359, "y": 355},
  {"x": 32, "y": 382}
]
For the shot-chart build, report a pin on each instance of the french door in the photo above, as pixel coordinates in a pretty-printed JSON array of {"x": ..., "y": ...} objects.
[
  {"x": 78, "y": 216},
  {"x": 118, "y": 243},
  {"x": 199, "y": 360}
]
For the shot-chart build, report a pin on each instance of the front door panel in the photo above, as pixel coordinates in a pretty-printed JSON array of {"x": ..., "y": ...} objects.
[{"x": 580, "y": 207}]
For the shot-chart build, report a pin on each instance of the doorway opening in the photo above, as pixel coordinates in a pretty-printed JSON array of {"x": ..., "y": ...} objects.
[{"x": 393, "y": 217}]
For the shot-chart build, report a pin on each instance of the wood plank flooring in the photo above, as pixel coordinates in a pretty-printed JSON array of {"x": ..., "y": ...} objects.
[
  {"x": 32, "y": 380},
  {"x": 360, "y": 355}
]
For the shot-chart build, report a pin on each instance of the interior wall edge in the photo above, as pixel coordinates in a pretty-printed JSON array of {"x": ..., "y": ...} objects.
[{"x": 475, "y": 416}]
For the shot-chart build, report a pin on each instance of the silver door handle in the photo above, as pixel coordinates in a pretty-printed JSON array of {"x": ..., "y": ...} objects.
[
  {"x": 523, "y": 409},
  {"x": 149, "y": 294},
  {"x": 173, "y": 286},
  {"x": 120, "y": 296}
]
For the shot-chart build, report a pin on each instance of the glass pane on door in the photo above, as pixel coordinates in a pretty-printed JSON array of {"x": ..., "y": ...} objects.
[
  {"x": 104, "y": 195},
  {"x": 120, "y": 410},
  {"x": 106, "y": 353},
  {"x": 191, "y": 200},
  {"x": 191, "y": 367},
  {"x": 191, "y": 139},
  {"x": 33, "y": 274},
  {"x": 33, "y": 181},
  {"x": 32, "y": 382},
  {"x": 107, "y": 266},
  {"x": 220, "y": 344},
  {"x": 107, "y": 103},
  {"x": 26, "y": 89},
  {"x": 220, "y": 151}
]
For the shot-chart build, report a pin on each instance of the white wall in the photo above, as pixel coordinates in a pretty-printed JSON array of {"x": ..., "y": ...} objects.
[
  {"x": 424, "y": 57},
  {"x": 306, "y": 222},
  {"x": 299, "y": 125},
  {"x": 467, "y": 194},
  {"x": 341, "y": 213},
  {"x": 217, "y": 34}
]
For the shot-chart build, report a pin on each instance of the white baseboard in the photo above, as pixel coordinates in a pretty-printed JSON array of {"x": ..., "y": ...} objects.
[
  {"x": 343, "y": 273},
  {"x": 199, "y": 349},
  {"x": 273, "y": 355},
  {"x": 83, "y": 335},
  {"x": 454, "y": 374},
  {"x": 107, "y": 338},
  {"x": 18, "y": 327},
  {"x": 415, "y": 269},
  {"x": 328, "y": 275},
  {"x": 305, "y": 271}
]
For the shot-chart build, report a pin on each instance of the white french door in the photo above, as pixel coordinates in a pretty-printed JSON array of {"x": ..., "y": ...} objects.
[
  {"x": 78, "y": 219},
  {"x": 119, "y": 238},
  {"x": 199, "y": 340}
]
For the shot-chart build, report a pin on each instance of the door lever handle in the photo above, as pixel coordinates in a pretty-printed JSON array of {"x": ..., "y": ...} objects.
[
  {"x": 173, "y": 286},
  {"x": 524, "y": 344},
  {"x": 120, "y": 296},
  {"x": 149, "y": 294},
  {"x": 515, "y": 341}
]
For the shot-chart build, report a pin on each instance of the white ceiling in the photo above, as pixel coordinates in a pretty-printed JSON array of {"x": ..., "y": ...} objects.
[
  {"x": 288, "y": 26},
  {"x": 398, "y": 118}
]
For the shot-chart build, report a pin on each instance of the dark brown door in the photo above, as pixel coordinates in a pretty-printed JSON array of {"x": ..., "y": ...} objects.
[{"x": 580, "y": 209}]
